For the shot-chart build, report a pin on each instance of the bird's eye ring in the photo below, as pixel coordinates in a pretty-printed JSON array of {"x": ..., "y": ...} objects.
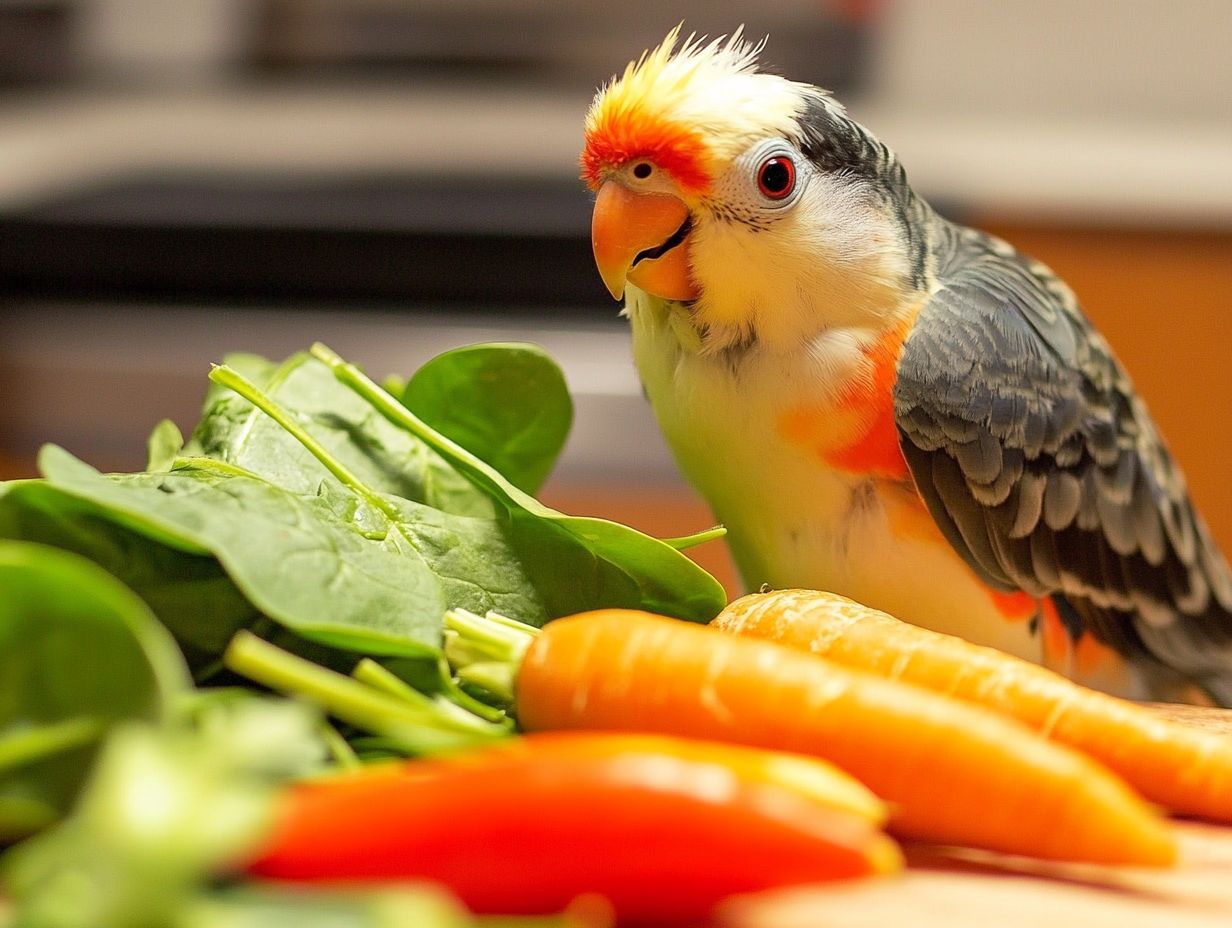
[{"x": 776, "y": 178}]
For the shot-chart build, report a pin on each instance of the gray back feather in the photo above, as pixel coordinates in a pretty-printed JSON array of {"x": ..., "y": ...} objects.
[{"x": 1043, "y": 468}]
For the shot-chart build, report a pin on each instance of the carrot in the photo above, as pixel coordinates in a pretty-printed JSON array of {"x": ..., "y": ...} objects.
[
  {"x": 662, "y": 828},
  {"x": 1184, "y": 769},
  {"x": 953, "y": 773}
]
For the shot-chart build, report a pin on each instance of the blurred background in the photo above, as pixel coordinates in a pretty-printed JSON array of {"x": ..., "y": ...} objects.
[{"x": 183, "y": 178}]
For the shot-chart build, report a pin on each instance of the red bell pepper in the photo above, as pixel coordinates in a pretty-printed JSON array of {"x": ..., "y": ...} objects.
[{"x": 662, "y": 828}]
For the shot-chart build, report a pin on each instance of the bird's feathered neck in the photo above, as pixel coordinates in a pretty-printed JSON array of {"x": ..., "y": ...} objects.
[{"x": 691, "y": 110}]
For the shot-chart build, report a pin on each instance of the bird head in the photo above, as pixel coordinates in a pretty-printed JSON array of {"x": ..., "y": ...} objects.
[{"x": 751, "y": 197}]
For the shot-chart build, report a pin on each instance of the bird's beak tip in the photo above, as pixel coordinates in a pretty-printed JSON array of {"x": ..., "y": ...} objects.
[{"x": 615, "y": 286}]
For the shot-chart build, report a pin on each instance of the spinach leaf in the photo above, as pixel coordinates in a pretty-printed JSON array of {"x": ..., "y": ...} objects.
[
  {"x": 275, "y": 906},
  {"x": 163, "y": 446},
  {"x": 507, "y": 404},
  {"x": 576, "y": 563},
  {"x": 190, "y": 593},
  {"x": 385, "y": 458},
  {"x": 371, "y": 574},
  {"x": 77, "y": 652},
  {"x": 284, "y": 513},
  {"x": 165, "y": 809}
]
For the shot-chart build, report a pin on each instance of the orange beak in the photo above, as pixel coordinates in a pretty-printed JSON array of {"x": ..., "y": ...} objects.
[{"x": 642, "y": 238}]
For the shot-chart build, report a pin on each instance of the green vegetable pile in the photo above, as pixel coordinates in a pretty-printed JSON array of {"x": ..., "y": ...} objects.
[{"x": 309, "y": 536}]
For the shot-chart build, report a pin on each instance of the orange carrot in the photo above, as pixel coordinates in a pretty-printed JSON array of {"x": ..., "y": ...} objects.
[
  {"x": 952, "y": 773},
  {"x": 1185, "y": 769}
]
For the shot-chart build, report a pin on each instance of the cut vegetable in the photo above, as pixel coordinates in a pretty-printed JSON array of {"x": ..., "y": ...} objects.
[
  {"x": 1187, "y": 770},
  {"x": 662, "y": 829},
  {"x": 810, "y": 777},
  {"x": 953, "y": 773}
]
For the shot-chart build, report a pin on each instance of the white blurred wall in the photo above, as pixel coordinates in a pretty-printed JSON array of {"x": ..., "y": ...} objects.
[
  {"x": 161, "y": 39},
  {"x": 1107, "y": 59}
]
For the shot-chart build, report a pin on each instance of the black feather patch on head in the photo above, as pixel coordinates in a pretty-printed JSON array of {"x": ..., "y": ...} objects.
[
  {"x": 840, "y": 146},
  {"x": 837, "y": 144}
]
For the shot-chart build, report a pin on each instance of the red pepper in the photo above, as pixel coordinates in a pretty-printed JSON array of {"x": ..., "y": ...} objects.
[{"x": 662, "y": 828}]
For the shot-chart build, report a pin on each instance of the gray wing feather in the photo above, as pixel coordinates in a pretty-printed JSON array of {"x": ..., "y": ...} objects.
[{"x": 1043, "y": 469}]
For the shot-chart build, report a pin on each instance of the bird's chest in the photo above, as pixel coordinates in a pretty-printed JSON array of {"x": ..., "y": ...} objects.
[
  {"x": 809, "y": 431},
  {"x": 822, "y": 412},
  {"x": 797, "y": 454}
]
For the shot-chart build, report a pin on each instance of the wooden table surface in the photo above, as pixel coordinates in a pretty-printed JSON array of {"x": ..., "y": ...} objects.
[{"x": 951, "y": 888}]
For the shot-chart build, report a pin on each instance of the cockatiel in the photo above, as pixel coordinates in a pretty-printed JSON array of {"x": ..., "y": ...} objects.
[{"x": 884, "y": 404}]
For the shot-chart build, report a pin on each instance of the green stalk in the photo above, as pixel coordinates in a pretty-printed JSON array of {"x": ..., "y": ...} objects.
[
  {"x": 372, "y": 674},
  {"x": 26, "y": 747},
  {"x": 455, "y": 693},
  {"x": 474, "y": 639},
  {"x": 233, "y": 380},
  {"x": 470, "y": 466},
  {"x": 339, "y": 751},
  {"x": 684, "y": 542},
  {"x": 379, "y": 677},
  {"x": 417, "y": 729},
  {"x": 497, "y": 679},
  {"x": 486, "y": 651},
  {"x": 211, "y": 465}
]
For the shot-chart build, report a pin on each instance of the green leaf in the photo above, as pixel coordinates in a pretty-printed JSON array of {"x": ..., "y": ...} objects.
[
  {"x": 576, "y": 563},
  {"x": 507, "y": 404},
  {"x": 166, "y": 809},
  {"x": 334, "y": 568},
  {"x": 273, "y": 906},
  {"x": 78, "y": 651},
  {"x": 190, "y": 593},
  {"x": 163, "y": 446},
  {"x": 384, "y": 458}
]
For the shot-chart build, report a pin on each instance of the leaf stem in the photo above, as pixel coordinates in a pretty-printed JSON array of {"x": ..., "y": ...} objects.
[
  {"x": 211, "y": 465},
  {"x": 340, "y": 752},
  {"x": 35, "y": 744},
  {"x": 468, "y": 464},
  {"x": 487, "y": 650},
  {"x": 369, "y": 672},
  {"x": 683, "y": 542},
  {"x": 495, "y": 678},
  {"x": 379, "y": 677},
  {"x": 473, "y": 639},
  {"x": 468, "y": 702},
  {"x": 237, "y": 382},
  {"x": 417, "y": 729}
]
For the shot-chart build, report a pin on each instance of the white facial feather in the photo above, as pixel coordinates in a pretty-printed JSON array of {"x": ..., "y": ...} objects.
[
  {"x": 779, "y": 272},
  {"x": 831, "y": 259}
]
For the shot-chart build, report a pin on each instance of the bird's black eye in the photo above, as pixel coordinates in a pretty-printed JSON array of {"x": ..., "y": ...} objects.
[
  {"x": 642, "y": 170},
  {"x": 776, "y": 178}
]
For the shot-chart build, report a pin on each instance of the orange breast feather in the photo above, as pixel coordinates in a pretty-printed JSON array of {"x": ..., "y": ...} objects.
[{"x": 863, "y": 414}]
